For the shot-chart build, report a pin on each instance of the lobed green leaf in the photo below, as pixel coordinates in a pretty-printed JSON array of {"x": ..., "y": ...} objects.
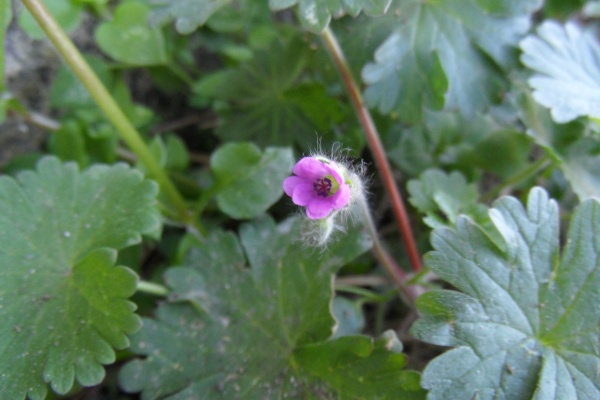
[
  {"x": 417, "y": 66},
  {"x": 63, "y": 304},
  {"x": 235, "y": 332},
  {"x": 566, "y": 63},
  {"x": 525, "y": 322}
]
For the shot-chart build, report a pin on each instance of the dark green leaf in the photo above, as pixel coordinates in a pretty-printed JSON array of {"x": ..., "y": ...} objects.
[
  {"x": 240, "y": 337},
  {"x": 249, "y": 181},
  {"x": 359, "y": 367},
  {"x": 567, "y": 66},
  {"x": 503, "y": 153},
  {"x": 68, "y": 143},
  {"x": 68, "y": 92},
  {"x": 63, "y": 304},
  {"x": 563, "y": 8},
  {"x": 442, "y": 140},
  {"x": 525, "y": 324},
  {"x": 128, "y": 38},
  {"x": 265, "y": 100},
  {"x": 441, "y": 54}
]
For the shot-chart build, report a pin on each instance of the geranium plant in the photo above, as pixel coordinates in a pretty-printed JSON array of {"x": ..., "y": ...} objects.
[{"x": 304, "y": 199}]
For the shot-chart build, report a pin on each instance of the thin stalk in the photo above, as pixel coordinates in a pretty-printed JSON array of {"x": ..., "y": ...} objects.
[
  {"x": 152, "y": 288},
  {"x": 376, "y": 147},
  {"x": 100, "y": 94},
  {"x": 383, "y": 256},
  {"x": 180, "y": 73}
]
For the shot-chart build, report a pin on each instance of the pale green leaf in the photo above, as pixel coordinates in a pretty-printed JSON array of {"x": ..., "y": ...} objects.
[
  {"x": 315, "y": 15},
  {"x": 566, "y": 62},
  {"x": 440, "y": 56},
  {"x": 188, "y": 14},
  {"x": 63, "y": 304},
  {"x": 525, "y": 324}
]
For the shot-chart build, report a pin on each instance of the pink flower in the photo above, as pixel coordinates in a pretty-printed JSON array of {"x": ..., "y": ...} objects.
[{"x": 318, "y": 186}]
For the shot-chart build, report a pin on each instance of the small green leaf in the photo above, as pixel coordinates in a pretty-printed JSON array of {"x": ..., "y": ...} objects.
[
  {"x": 248, "y": 331},
  {"x": 567, "y": 66},
  {"x": 248, "y": 181},
  {"x": 129, "y": 39},
  {"x": 349, "y": 317},
  {"x": 188, "y": 14},
  {"x": 170, "y": 151},
  {"x": 315, "y": 15},
  {"x": 525, "y": 324},
  {"x": 66, "y": 13},
  {"x": 417, "y": 66},
  {"x": 437, "y": 192},
  {"x": 68, "y": 143},
  {"x": 63, "y": 304},
  {"x": 68, "y": 92}
]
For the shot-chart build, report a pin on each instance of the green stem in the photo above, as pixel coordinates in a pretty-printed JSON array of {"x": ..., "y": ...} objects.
[
  {"x": 376, "y": 146},
  {"x": 180, "y": 73},
  {"x": 367, "y": 296},
  {"x": 397, "y": 274},
  {"x": 100, "y": 94},
  {"x": 152, "y": 288}
]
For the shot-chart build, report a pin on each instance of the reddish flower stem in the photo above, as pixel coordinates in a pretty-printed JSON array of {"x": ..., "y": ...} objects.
[{"x": 376, "y": 147}]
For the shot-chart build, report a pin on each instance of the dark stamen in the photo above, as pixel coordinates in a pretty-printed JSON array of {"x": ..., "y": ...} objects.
[{"x": 323, "y": 187}]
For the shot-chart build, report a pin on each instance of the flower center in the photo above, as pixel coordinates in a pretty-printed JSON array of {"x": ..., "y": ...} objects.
[{"x": 326, "y": 186}]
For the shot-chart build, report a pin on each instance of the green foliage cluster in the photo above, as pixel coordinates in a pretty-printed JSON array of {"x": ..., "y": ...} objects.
[{"x": 489, "y": 113}]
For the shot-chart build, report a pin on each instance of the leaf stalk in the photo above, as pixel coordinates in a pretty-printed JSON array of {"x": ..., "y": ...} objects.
[
  {"x": 152, "y": 288},
  {"x": 117, "y": 117},
  {"x": 397, "y": 274},
  {"x": 372, "y": 136}
]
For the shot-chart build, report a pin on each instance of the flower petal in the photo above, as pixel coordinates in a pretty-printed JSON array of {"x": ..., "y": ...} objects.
[
  {"x": 303, "y": 194},
  {"x": 341, "y": 198},
  {"x": 311, "y": 169},
  {"x": 318, "y": 208},
  {"x": 290, "y": 183}
]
